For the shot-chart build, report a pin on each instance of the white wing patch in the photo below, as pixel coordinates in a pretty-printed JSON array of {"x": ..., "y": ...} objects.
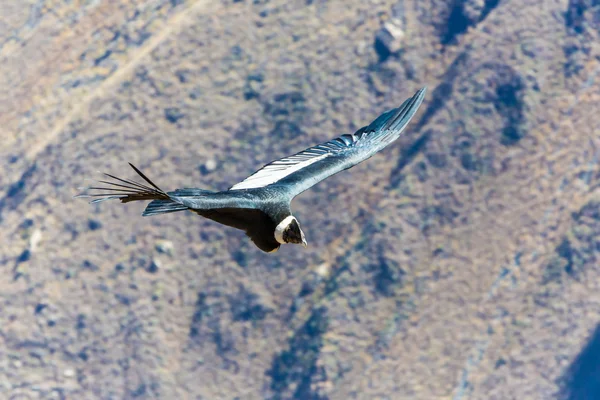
[{"x": 279, "y": 169}]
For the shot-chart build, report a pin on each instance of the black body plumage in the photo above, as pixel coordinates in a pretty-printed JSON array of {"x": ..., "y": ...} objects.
[{"x": 260, "y": 204}]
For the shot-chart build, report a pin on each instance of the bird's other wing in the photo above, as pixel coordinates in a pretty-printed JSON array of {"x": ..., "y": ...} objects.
[{"x": 301, "y": 171}]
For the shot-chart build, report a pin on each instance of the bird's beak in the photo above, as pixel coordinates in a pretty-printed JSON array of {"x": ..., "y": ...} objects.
[{"x": 304, "y": 241}]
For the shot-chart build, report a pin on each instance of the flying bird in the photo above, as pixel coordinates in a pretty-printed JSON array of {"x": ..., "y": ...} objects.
[{"x": 260, "y": 204}]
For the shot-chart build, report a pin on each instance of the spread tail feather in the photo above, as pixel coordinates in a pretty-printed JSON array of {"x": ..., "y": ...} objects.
[
  {"x": 124, "y": 189},
  {"x": 127, "y": 190}
]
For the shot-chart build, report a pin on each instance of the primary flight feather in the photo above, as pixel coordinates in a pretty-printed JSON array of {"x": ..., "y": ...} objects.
[{"x": 260, "y": 204}]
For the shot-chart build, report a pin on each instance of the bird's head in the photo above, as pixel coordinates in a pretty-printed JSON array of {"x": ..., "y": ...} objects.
[{"x": 288, "y": 231}]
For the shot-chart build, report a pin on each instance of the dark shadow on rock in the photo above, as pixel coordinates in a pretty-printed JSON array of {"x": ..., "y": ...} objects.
[
  {"x": 577, "y": 252},
  {"x": 458, "y": 23},
  {"x": 254, "y": 85},
  {"x": 510, "y": 104},
  {"x": 288, "y": 112},
  {"x": 295, "y": 370},
  {"x": 501, "y": 86},
  {"x": 387, "y": 276},
  {"x": 582, "y": 25},
  {"x": 173, "y": 114},
  {"x": 576, "y": 12},
  {"x": 581, "y": 381},
  {"x": 15, "y": 194},
  {"x": 246, "y": 306},
  {"x": 463, "y": 15},
  {"x": 441, "y": 94},
  {"x": 200, "y": 312},
  {"x": 407, "y": 155},
  {"x": 383, "y": 51}
]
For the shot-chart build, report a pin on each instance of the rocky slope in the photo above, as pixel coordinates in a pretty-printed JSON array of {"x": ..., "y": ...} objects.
[{"x": 462, "y": 262}]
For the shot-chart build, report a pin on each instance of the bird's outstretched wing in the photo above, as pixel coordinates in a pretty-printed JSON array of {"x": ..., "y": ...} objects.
[{"x": 300, "y": 171}]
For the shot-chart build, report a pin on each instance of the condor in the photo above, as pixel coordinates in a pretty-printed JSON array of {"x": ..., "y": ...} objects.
[{"x": 260, "y": 204}]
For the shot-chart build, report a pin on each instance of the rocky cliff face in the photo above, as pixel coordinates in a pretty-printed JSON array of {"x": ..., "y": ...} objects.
[{"x": 460, "y": 262}]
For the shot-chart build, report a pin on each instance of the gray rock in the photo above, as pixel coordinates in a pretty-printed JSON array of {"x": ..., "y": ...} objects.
[
  {"x": 391, "y": 36},
  {"x": 164, "y": 247},
  {"x": 208, "y": 167}
]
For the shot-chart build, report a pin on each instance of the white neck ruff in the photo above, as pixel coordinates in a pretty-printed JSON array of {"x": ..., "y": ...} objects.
[{"x": 281, "y": 228}]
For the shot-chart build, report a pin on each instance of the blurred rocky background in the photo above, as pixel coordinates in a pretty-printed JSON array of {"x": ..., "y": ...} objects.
[{"x": 460, "y": 263}]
